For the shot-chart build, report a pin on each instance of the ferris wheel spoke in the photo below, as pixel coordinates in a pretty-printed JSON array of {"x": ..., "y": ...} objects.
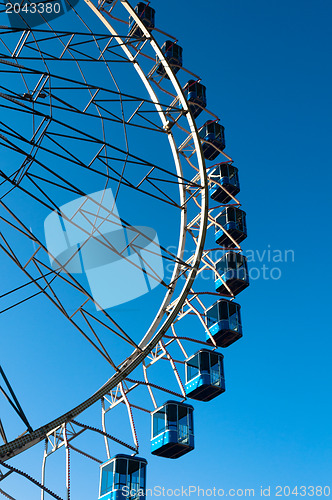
[
  {"x": 13, "y": 401},
  {"x": 120, "y": 333},
  {"x": 6, "y": 494},
  {"x": 124, "y": 181},
  {"x": 39, "y": 183},
  {"x": 55, "y": 300},
  {"x": 169, "y": 255},
  {"x": 72, "y": 157},
  {"x": 38, "y": 264},
  {"x": 126, "y": 337},
  {"x": 90, "y": 235},
  {"x": 101, "y": 432},
  {"x": 20, "y": 302},
  {"x": 31, "y": 479}
]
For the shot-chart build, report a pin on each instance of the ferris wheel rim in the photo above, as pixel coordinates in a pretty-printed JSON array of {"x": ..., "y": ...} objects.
[{"x": 154, "y": 334}]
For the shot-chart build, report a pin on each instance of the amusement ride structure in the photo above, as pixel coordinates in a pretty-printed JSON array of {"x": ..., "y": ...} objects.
[{"x": 104, "y": 129}]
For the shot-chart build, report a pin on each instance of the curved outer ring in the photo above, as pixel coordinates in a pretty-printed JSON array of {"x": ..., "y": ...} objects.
[{"x": 151, "y": 338}]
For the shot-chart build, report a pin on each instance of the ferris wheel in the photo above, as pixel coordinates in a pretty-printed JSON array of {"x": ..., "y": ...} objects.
[{"x": 110, "y": 193}]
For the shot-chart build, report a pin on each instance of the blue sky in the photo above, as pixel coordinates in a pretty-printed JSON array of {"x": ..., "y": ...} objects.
[
  {"x": 267, "y": 70},
  {"x": 266, "y": 66}
]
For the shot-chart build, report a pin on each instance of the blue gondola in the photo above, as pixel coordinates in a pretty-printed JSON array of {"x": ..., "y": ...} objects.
[
  {"x": 123, "y": 477},
  {"x": 233, "y": 270},
  {"x": 172, "y": 430},
  {"x": 214, "y": 134},
  {"x": 173, "y": 54},
  {"x": 147, "y": 16},
  {"x": 205, "y": 378},
  {"x": 196, "y": 96},
  {"x": 223, "y": 320},
  {"x": 227, "y": 175},
  {"x": 233, "y": 220}
]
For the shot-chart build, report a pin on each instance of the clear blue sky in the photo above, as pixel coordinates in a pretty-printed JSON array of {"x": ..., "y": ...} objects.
[
  {"x": 267, "y": 68},
  {"x": 266, "y": 65}
]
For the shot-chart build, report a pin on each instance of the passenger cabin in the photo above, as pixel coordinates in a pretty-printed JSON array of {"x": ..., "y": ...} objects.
[
  {"x": 223, "y": 320},
  {"x": 214, "y": 135},
  {"x": 122, "y": 474},
  {"x": 233, "y": 269},
  {"x": 172, "y": 430},
  {"x": 233, "y": 222},
  {"x": 173, "y": 55},
  {"x": 227, "y": 176},
  {"x": 196, "y": 97},
  {"x": 205, "y": 378},
  {"x": 146, "y": 15}
]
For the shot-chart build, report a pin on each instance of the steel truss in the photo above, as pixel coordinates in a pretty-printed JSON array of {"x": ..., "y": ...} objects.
[{"x": 44, "y": 102}]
